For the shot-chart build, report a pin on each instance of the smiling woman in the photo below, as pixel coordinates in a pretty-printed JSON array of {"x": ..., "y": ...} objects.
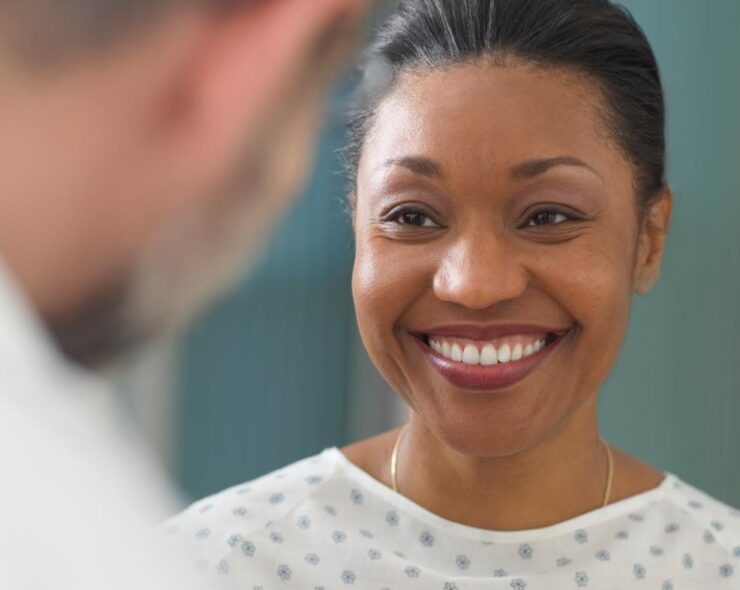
[
  {"x": 509, "y": 198},
  {"x": 528, "y": 232}
]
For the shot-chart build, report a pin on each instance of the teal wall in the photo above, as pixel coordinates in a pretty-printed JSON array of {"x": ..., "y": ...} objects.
[
  {"x": 674, "y": 399},
  {"x": 265, "y": 377}
]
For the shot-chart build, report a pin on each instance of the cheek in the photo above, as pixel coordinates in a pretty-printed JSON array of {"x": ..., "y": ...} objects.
[
  {"x": 593, "y": 283},
  {"x": 377, "y": 295},
  {"x": 374, "y": 307},
  {"x": 597, "y": 290},
  {"x": 385, "y": 284}
]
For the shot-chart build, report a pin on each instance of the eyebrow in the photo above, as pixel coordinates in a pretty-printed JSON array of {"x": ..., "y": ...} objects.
[
  {"x": 526, "y": 170},
  {"x": 417, "y": 164},
  {"x": 534, "y": 168}
]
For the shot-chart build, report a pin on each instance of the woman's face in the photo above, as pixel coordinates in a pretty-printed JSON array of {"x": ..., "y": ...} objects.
[{"x": 497, "y": 250}]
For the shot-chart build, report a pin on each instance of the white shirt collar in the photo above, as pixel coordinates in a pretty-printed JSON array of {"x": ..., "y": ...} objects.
[{"x": 28, "y": 356}]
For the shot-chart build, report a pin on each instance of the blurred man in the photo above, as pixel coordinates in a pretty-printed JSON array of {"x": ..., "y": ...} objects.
[{"x": 146, "y": 148}]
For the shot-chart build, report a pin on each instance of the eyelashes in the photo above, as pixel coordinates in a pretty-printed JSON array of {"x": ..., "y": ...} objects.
[
  {"x": 412, "y": 218},
  {"x": 409, "y": 217},
  {"x": 548, "y": 217}
]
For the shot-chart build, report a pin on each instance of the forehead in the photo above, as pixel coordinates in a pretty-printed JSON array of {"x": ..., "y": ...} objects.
[{"x": 482, "y": 119}]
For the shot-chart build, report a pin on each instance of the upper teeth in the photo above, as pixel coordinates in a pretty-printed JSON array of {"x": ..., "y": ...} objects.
[{"x": 504, "y": 350}]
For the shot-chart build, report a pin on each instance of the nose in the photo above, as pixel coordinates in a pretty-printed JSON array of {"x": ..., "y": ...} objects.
[{"x": 478, "y": 272}]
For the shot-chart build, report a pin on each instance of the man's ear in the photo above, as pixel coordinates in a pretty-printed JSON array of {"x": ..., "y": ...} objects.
[
  {"x": 241, "y": 65},
  {"x": 653, "y": 233}
]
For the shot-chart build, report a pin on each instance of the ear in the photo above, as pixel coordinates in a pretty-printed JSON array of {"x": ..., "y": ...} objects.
[
  {"x": 245, "y": 62},
  {"x": 653, "y": 233}
]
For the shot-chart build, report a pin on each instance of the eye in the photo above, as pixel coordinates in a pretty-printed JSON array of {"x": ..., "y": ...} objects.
[
  {"x": 547, "y": 217},
  {"x": 411, "y": 217}
]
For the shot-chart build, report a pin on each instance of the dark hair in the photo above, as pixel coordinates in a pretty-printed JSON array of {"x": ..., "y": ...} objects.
[{"x": 597, "y": 38}]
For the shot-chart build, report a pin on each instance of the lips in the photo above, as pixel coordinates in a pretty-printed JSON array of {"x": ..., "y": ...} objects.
[{"x": 487, "y": 358}]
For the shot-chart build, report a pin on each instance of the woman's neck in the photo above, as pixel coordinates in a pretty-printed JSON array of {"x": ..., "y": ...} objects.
[
  {"x": 559, "y": 478},
  {"x": 556, "y": 479}
]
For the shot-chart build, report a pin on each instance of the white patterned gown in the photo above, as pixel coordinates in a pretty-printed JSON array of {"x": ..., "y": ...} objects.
[{"x": 324, "y": 524}]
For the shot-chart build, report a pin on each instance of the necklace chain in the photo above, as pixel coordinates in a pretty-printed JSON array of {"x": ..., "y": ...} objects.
[{"x": 607, "y": 448}]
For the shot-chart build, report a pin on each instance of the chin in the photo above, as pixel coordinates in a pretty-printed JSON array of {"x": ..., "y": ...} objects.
[
  {"x": 475, "y": 438},
  {"x": 485, "y": 425}
]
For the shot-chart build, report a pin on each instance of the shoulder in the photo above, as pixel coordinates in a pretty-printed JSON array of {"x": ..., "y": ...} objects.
[
  {"x": 82, "y": 474},
  {"x": 224, "y": 518},
  {"x": 719, "y": 522}
]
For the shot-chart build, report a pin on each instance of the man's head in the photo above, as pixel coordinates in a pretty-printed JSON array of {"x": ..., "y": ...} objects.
[{"x": 148, "y": 146}]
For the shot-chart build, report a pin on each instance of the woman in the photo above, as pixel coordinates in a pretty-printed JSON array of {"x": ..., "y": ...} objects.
[{"x": 509, "y": 197}]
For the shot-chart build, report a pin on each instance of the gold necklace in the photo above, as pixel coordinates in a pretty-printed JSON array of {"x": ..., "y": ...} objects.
[{"x": 607, "y": 448}]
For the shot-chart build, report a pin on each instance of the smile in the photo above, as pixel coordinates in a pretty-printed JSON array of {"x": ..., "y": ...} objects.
[
  {"x": 503, "y": 350},
  {"x": 490, "y": 363}
]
